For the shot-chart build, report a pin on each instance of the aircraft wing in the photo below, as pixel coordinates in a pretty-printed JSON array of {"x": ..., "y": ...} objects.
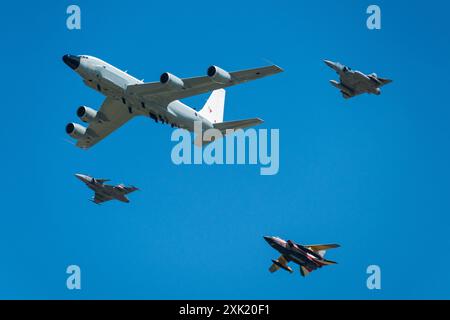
[
  {"x": 100, "y": 198},
  {"x": 319, "y": 247},
  {"x": 282, "y": 260},
  {"x": 198, "y": 85},
  {"x": 112, "y": 115},
  {"x": 384, "y": 81},
  {"x": 348, "y": 96},
  {"x": 127, "y": 190}
]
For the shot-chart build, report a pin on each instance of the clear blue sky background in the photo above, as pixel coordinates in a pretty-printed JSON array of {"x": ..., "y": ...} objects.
[{"x": 371, "y": 174}]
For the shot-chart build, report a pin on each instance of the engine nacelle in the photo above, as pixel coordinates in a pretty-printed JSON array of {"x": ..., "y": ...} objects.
[
  {"x": 86, "y": 114},
  {"x": 218, "y": 75},
  {"x": 75, "y": 130},
  {"x": 172, "y": 81},
  {"x": 376, "y": 91}
]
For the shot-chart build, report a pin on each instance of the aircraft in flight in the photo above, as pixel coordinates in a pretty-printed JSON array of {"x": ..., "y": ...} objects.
[
  {"x": 105, "y": 192},
  {"x": 353, "y": 83},
  {"x": 309, "y": 257},
  {"x": 127, "y": 97}
]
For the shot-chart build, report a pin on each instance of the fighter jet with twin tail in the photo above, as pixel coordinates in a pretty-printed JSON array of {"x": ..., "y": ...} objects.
[
  {"x": 127, "y": 97},
  {"x": 308, "y": 257},
  {"x": 353, "y": 83},
  {"x": 105, "y": 192}
]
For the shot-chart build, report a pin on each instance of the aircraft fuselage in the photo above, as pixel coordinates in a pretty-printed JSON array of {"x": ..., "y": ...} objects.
[
  {"x": 113, "y": 82},
  {"x": 297, "y": 253}
]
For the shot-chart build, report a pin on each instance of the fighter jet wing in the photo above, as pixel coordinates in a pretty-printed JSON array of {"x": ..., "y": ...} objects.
[
  {"x": 282, "y": 261},
  {"x": 100, "y": 198},
  {"x": 198, "y": 85},
  {"x": 319, "y": 247},
  {"x": 384, "y": 81},
  {"x": 112, "y": 115},
  {"x": 126, "y": 189},
  {"x": 348, "y": 96}
]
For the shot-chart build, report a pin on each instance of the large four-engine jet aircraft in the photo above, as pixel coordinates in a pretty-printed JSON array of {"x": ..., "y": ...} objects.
[
  {"x": 309, "y": 257},
  {"x": 127, "y": 97},
  {"x": 105, "y": 192},
  {"x": 353, "y": 82}
]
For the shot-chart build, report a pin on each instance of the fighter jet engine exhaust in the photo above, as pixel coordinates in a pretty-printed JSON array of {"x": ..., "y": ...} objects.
[
  {"x": 86, "y": 114},
  {"x": 218, "y": 75},
  {"x": 171, "y": 81},
  {"x": 75, "y": 130}
]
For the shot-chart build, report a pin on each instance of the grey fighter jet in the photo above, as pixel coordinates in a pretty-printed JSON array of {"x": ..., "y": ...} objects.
[
  {"x": 353, "y": 83},
  {"x": 105, "y": 192},
  {"x": 309, "y": 257}
]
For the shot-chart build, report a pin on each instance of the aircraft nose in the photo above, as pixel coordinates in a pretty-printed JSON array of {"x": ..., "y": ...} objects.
[
  {"x": 72, "y": 61},
  {"x": 80, "y": 176},
  {"x": 329, "y": 63},
  {"x": 268, "y": 239}
]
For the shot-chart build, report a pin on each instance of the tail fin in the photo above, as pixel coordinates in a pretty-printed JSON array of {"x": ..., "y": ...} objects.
[{"x": 214, "y": 107}]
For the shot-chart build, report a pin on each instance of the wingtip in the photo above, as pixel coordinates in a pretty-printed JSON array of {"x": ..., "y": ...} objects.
[{"x": 279, "y": 69}]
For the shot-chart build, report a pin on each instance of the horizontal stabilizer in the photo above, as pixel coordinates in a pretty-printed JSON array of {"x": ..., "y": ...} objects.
[
  {"x": 304, "y": 271},
  {"x": 239, "y": 124}
]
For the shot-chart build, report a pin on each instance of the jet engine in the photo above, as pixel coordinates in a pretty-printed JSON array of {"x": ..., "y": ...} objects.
[
  {"x": 376, "y": 91},
  {"x": 218, "y": 75},
  {"x": 75, "y": 130},
  {"x": 172, "y": 81},
  {"x": 86, "y": 114}
]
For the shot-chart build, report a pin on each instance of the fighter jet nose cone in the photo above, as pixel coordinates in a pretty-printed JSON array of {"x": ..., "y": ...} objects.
[
  {"x": 328, "y": 63},
  {"x": 267, "y": 238},
  {"x": 72, "y": 61},
  {"x": 82, "y": 177}
]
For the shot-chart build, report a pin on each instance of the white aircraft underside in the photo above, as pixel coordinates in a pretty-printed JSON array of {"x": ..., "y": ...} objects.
[{"x": 127, "y": 97}]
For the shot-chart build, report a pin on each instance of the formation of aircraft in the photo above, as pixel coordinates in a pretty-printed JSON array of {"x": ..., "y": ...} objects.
[
  {"x": 308, "y": 257},
  {"x": 105, "y": 192},
  {"x": 353, "y": 83},
  {"x": 127, "y": 97}
]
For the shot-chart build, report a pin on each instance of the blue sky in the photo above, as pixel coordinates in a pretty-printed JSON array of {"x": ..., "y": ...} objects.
[{"x": 371, "y": 173}]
